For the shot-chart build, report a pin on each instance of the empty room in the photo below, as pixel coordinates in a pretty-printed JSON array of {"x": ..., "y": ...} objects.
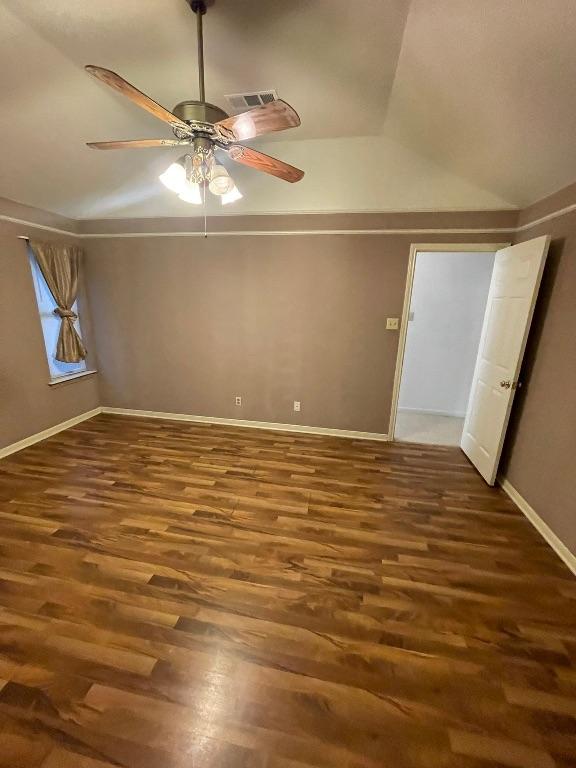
[{"x": 288, "y": 384}]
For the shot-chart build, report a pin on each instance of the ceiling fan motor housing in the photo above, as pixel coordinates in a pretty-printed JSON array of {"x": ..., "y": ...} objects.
[
  {"x": 199, "y": 112},
  {"x": 201, "y": 117}
]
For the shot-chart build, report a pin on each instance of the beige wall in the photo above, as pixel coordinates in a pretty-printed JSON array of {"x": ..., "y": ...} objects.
[
  {"x": 183, "y": 324},
  {"x": 27, "y": 404},
  {"x": 418, "y": 225},
  {"x": 540, "y": 451}
]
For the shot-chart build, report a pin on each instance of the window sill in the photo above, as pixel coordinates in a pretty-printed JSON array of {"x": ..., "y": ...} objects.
[{"x": 70, "y": 377}]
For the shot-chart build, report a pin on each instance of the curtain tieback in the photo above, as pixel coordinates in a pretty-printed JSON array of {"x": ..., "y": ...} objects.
[{"x": 62, "y": 313}]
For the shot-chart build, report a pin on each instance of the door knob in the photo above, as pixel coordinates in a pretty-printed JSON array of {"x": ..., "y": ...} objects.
[{"x": 505, "y": 384}]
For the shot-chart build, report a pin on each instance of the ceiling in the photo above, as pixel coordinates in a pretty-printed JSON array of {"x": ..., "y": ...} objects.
[{"x": 405, "y": 105}]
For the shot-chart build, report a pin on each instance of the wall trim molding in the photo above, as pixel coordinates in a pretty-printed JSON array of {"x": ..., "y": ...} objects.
[
  {"x": 547, "y": 217},
  {"x": 27, "y": 223},
  {"x": 264, "y": 232},
  {"x": 282, "y": 233},
  {"x": 223, "y": 214},
  {"x": 300, "y": 232},
  {"x": 269, "y": 425},
  {"x": 432, "y": 412},
  {"x": 277, "y": 232},
  {"x": 39, "y": 436},
  {"x": 543, "y": 528}
]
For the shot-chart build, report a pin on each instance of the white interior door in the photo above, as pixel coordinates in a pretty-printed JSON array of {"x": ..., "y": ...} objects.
[{"x": 511, "y": 299}]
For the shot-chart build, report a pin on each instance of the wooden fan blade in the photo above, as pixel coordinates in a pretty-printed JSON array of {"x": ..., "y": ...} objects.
[
  {"x": 135, "y": 144},
  {"x": 139, "y": 98},
  {"x": 265, "y": 163},
  {"x": 275, "y": 116}
]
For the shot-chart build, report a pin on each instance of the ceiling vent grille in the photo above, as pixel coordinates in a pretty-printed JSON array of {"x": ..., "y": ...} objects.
[{"x": 240, "y": 102}]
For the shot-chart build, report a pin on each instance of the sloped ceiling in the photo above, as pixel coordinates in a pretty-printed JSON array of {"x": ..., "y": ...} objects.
[
  {"x": 488, "y": 89},
  {"x": 451, "y": 104}
]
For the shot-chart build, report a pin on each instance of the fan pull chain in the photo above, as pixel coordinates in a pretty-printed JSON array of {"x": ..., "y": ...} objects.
[{"x": 204, "y": 195}]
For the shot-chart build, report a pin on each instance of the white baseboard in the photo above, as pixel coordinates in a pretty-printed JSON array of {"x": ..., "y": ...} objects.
[
  {"x": 9, "y": 449},
  {"x": 543, "y": 529},
  {"x": 250, "y": 424},
  {"x": 433, "y": 412}
]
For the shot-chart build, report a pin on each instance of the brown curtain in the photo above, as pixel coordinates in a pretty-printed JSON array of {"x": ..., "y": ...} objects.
[{"x": 59, "y": 264}]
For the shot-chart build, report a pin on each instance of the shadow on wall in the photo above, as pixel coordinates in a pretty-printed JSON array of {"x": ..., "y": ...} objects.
[{"x": 549, "y": 276}]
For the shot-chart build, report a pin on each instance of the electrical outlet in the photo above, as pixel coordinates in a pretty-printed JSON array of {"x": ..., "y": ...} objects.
[
  {"x": 392, "y": 324},
  {"x": 238, "y": 400},
  {"x": 296, "y": 405}
]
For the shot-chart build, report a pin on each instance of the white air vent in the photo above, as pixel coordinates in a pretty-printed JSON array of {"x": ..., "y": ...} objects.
[{"x": 240, "y": 102}]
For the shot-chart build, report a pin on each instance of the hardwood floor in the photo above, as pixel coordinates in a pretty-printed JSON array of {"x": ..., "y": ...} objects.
[{"x": 200, "y": 596}]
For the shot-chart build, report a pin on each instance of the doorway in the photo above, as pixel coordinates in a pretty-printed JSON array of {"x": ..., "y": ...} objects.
[{"x": 446, "y": 294}]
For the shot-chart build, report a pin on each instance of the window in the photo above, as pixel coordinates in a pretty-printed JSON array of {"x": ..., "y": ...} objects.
[{"x": 51, "y": 325}]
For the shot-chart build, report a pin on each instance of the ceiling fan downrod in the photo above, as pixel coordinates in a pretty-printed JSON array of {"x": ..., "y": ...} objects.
[{"x": 199, "y": 8}]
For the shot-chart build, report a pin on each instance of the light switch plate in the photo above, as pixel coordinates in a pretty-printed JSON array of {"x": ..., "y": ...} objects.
[{"x": 392, "y": 323}]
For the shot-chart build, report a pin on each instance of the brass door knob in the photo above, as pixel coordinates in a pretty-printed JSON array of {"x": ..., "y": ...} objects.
[{"x": 505, "y": 384}]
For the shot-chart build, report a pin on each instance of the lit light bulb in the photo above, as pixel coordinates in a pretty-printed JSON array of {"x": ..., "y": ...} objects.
[
  {"x": 232, "y": 196},
  {"x": 174, "y": 177},
  {"x": 220, "y": 181},
  {"x": 191, "y": 193}
]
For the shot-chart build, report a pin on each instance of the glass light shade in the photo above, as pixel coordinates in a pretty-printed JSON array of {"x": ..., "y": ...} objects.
[
  {"x": 220, "y": 181},
  {"x": 174, "y": 177},
  {"x": 232, "y": 196},
  {"x": 191, "y": 193}
]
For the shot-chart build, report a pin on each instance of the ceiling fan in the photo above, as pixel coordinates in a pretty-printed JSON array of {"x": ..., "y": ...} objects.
[{"x": 204, "y": 127}]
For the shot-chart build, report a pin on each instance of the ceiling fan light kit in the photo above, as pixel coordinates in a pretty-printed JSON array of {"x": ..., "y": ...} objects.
[
  {"x": 191, "y": 193},
  {"x": 203, "y": 128},
  {"x": 220, "y": 181},
  {"x": 232, "y": 196},
  {"x": 174, "y": 177}
]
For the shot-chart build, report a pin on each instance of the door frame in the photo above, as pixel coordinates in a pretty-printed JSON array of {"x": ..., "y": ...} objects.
[{"x": 415, "y": 248}]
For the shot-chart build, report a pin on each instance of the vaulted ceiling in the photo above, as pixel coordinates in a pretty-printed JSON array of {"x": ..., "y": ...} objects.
[{"x": 444, "y": 104}]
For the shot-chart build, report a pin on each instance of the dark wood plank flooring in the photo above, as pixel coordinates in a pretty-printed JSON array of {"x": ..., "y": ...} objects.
[{"x": 180, "y": 595}]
